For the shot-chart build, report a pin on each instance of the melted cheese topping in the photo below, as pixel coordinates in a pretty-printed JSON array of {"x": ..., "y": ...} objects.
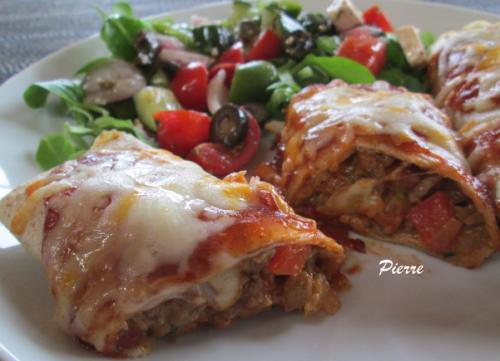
[
  {"x": 469, "y": 56},
  {"x": 132, "y": 211},
  {"x": 325, "y": 124},
  {"x": 162, "y": 204},
  {"x": 164, "y": 196},
  {"x": 127, "y": 227},
  {"x": 380, "y": 110}
]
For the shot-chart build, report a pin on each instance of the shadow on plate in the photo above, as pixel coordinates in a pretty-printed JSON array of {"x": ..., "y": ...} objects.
[{"x": 24, "y": 288}]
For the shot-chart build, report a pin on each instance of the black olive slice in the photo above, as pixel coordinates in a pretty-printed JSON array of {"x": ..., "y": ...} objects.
[{"x": 229, "y": 125}]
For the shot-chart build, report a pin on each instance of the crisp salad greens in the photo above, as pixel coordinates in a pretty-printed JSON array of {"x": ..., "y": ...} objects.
[{"x": 197, "y": 89}]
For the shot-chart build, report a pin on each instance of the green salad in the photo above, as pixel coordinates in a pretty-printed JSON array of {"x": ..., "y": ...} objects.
[{"x": 205, "y": 90}]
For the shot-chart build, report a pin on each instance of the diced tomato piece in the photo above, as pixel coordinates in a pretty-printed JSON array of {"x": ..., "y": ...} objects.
[
  {"x": 190, "y": 85},
  {"x": 373, "y": 16},
  {"x": 219, "y": 160},
  {"x": 181, "y": 130},
  {"x": 233, "y": 55},
  {"x": 266, "y": 47},
  {"x": 366, "y": 50},
  {"x": 229, "y": 68},
  {"x": 288, "y": 260},
  {"x": 434, "y": 219}
]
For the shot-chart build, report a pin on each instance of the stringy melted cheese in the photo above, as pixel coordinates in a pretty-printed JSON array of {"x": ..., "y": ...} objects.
[
  {"x": 379, "y": 110},
  {"x": 166, "y": 201},
  {"x": 159, "y": 202},
  {"x": 467, "y": 56}
]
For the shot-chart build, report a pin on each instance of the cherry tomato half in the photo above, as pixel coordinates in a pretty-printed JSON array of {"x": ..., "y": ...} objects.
[
  {"x": 219, "y": 160},
  {"x": 190, "y": 85},
  {"x": 266, "y": 47},
  {"x": 233, "y": 55}
]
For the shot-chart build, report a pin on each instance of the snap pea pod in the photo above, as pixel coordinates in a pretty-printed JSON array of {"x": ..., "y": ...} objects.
[
  {"x": 338, "y": 67},
  {"x": 181, "y": 31},
  {"x": 312, "y": 74},
  {"x": 282, "y": 93},
  {"x": 326, "y": 44}
]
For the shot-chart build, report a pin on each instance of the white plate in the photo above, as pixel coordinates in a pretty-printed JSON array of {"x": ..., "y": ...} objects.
[{"x": 447, "y": 313}]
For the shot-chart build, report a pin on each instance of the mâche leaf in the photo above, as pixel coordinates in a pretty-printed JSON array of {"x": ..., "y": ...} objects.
[
  {"x": 119, "y": 33},
  {"x": 119, "y": 30},
  {"x": 53, "y": 150},
  {"x": 122, "y": 8},
  {"x": 125, "y": 125},
  {"x": 69, "y": 90}
]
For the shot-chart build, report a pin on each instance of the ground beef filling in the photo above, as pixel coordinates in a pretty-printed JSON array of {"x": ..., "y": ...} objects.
[
  {"x": 372, "y": 193},
  {"x": 312, "y": 290}
]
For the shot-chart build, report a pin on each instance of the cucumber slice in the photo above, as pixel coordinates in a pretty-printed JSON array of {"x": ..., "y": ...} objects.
[{"x": 152, "y": 99}]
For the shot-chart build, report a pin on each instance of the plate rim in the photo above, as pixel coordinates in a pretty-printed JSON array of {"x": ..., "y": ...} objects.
[{"x": 226, "y": 3}]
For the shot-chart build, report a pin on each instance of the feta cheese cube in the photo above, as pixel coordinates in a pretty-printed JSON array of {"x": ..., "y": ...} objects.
[
  {"x": 344, "y": 14},
  {"x": 413, "y": 48}
]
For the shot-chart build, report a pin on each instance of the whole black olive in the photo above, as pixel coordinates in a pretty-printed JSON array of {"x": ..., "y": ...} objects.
[
  {"x": 297, "y": 44},
  {"x": 296, "y": 40},
  {"x": 229, "y": 125},
  {"x": 148, "y": 47}
]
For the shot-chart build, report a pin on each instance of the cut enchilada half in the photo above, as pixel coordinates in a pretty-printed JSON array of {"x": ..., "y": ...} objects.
[
  {"x": 384, "y": 162},
  {"x": 137, "y": 242},
  {"x": 464, "y": 70}
]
